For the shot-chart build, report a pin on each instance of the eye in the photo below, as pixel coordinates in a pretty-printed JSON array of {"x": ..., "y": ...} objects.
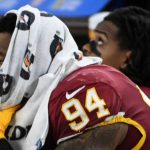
[{"x": 99, "y": 43}]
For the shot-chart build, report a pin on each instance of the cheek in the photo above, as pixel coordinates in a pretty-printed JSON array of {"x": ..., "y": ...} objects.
[
  {"x": 111, "y": 58},
  {"x": 108, "y": 59},
  {"x": 106, "y": 53}
]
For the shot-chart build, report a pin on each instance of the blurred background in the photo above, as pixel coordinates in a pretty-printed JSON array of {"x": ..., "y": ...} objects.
[{"x": 75, "y": 13}]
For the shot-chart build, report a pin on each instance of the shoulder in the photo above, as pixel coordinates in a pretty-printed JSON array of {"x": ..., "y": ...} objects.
[
  {"x": 94, "y": 74},
  {"x": 87, "y": 97},
  {"x": 146, "y": 90}
]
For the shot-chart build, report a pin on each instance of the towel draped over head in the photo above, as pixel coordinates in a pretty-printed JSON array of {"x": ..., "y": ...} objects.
[{"x": 39, "y": 56}]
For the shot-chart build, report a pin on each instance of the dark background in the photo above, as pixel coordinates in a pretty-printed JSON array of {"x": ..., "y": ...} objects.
[{"x": 79, "y": 26}]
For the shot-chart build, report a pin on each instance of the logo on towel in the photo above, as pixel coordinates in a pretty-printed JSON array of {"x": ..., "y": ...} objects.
[
  {"x": 5, "y": 83},
  {"x": 17, "y": 132},
  {"x": 39, "y": 144},
  {"x": 26, "y": 20},
  {"x": 27, "y": 64},
  {"x": 56, "y": 45}
]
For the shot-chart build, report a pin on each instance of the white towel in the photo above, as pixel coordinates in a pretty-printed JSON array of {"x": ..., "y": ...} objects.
[{"x": 31, "y": 71}]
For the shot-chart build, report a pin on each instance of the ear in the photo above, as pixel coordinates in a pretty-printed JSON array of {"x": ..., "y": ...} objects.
[{"x": 126, "y": 59}]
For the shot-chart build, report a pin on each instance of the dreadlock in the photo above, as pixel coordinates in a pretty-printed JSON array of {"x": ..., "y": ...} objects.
[
  {"x": 134, "y": 34},
  {"x": 7, "y": 23}
]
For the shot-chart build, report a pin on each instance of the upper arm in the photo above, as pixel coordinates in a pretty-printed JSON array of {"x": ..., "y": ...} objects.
[
  {"x": 86, "y": 109},
  {"x": 100, "y": 138}
]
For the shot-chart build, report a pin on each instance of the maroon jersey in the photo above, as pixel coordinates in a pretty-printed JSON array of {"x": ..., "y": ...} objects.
[
  {"x": 99, "y": 95},
  {"x": 146, "y": 90}
]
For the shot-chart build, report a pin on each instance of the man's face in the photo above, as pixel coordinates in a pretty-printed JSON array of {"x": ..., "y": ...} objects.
[
  {"x": 4, "y": 43},
  {"x": 108, "y": 45}
]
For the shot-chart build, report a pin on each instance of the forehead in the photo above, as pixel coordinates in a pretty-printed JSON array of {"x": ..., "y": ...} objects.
[{"x": 107, "y": 28}]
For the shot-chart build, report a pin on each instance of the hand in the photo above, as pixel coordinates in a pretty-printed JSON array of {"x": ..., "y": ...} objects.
[
  {"x": 78, "y": 55},
  {"x": 4, "y": 145}
]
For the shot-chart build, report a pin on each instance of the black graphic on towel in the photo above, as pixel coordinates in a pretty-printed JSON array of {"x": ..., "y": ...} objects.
[
  {"x": 26, "y": 19},
  {"x": 27, "y": 63},
  {"x": 43, "y": 14},
  {"x": 17, "y": 132},
  {"x": 5, "y": 84},
  {"x": 55, "y": 46}
]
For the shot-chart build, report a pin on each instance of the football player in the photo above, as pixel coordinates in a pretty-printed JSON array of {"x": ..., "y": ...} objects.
[
  {"x": 19, "y": 64},
  {"x": 7, "y": 25},
  {"x": 98, "y": 107},
  {"x": 122, "y": 40}
]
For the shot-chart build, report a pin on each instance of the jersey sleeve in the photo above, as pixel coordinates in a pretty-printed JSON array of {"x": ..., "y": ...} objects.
[{"x": 86, "y": 108}]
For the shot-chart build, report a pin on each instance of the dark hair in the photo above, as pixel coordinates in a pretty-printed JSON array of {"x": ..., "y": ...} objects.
[
  {"x": 134, "y": 34},
  {"x": 8, "y": 22}
]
